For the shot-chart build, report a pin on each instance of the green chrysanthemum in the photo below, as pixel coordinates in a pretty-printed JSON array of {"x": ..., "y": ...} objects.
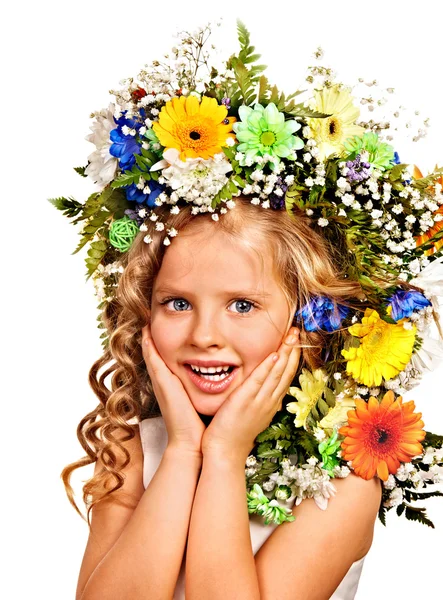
[
  {"x": 264, "y": 131},
  {"x": 381, "y": 155}
]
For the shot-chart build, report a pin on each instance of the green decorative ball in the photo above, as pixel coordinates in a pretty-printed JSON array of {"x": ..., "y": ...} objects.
[{"x": 122, "y": 233}]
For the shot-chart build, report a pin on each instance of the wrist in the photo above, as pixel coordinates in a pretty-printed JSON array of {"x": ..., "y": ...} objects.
[
  {"x": 184, "y": 455},
  {"x": 221, "y": 458}
]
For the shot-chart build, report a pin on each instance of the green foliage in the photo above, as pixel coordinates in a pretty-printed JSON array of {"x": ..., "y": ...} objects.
[
  {"x": 70, "y": 207},
  {"x": 425, "y": 182},
  {"x": 277, "y": 431},
  {"x": 231, "y": 188},
  {"x": 246, "y": 74},
  {"x": 418, "y": 514},
  {"x": 411, "y": 495},
  {"x": 96, "y": 252},
  {"x": 305, "y": 440},
  {"x": 433, "y": 440},
  {"x": 382, "y": 514},
  {"x": 81, "y": 170}
]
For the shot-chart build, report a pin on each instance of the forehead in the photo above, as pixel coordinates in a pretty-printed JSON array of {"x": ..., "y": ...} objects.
[{"x": 209, "y": 261}]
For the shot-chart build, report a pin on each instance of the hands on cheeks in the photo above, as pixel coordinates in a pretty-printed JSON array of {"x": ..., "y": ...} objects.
[{"x": 250, "y": 408}]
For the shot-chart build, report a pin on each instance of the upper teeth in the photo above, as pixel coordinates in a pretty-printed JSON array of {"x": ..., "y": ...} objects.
[{"x": 210, "y": 369}]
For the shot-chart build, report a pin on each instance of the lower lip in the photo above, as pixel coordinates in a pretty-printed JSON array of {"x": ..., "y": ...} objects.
[{"x": 211, "y": 387}]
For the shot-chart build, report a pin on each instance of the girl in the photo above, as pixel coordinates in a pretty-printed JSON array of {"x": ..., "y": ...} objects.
[{"x": 167, "y": 498}]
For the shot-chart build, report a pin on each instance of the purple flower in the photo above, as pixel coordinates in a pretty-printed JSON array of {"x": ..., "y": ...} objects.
[
  {"x": 405, "y": 302},
  {"x": 278, "y": 202},
  {"x": 133, "y": 214},
  {"x": 319, "y": 313},
  {"x": 226, "y": 102},
  {"x": 358, "y": 170}
]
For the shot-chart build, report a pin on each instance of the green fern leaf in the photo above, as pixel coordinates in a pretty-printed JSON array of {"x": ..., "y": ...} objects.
[
  {"x": 81, "y": 170},
  {"x": 277, "y": 431},
  {"x": 69, "y": 206},
  {"x": 418, "y": 514}
]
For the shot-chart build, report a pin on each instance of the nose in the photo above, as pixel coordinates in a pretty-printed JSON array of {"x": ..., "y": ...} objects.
[{"x": 206, "y": 330}]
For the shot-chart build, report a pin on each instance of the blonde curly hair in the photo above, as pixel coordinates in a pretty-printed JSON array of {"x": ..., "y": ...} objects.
[{"x": 306, "y": 264}]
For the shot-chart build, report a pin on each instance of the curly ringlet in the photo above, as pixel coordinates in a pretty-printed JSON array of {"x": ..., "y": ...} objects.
[{"x": 304, "y": 263}]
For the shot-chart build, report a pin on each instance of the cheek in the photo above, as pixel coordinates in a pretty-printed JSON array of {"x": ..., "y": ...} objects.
[
  {"x": 165, "y": 338},
  {"x": 259, "y": 346}
]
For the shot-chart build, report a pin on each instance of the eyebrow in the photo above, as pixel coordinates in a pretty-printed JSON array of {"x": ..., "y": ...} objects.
[{"x": 232, "y": 293}]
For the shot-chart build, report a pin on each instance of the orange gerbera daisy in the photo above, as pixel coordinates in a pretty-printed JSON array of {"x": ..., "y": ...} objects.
[
  {"x": 421, "y": 239},
  {"x": 379, "y": 436},
  {"x": 197, "y": 129}
]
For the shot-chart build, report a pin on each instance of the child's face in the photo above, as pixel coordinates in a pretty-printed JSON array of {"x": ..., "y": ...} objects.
[{"x": 207, "y": 275}]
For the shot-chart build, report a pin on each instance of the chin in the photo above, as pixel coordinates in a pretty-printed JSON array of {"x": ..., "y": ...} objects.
[{"x": 207, "y": 406}]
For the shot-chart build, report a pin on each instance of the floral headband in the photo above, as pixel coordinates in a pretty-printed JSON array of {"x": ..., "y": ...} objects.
[{"x": 185, "y": 132}]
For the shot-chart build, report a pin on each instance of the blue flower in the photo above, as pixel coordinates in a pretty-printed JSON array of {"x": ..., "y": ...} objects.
[
  {"x": 319, "y": 313},
  {"x": 133, "y": 194},
  {"x": 404, "y": 303},
  {"x": 396, "y": 160},
  {"x": 125, "y": 146}
]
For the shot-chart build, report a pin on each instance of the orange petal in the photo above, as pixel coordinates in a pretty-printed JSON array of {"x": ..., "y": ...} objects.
[
  {"x": 373, "y": 405},
  {"x": 382, "y": 470}
]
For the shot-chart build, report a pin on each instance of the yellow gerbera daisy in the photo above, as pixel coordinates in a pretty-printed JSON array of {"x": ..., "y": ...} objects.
[
  {"x": 196, "y": 129},
  {"x": 331, "y": 132},
  {"x": 385, "y": 349},
  {"x": 312, "y": 387}
]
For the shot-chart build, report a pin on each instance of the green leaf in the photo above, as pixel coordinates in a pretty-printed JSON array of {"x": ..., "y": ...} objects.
[
  {"x": 300, "y": 110},
  {"x": 95, "y": 201},
  {"x": 126, "y": 178},
  {"x": 307, "y": 443},
  {"x": 263, "y": 90},
  {"x": 433, "y": 440},
  {"x": 277, "y": 431},
  {"x": 142, "y": 163},
  {"x": 69, "y": 206},
  {"x": 81, "y": 170},
  {"x": 418, "y": 514},
  {"x": 382, "y": 514},
  {"x": 410, "y": 495}
]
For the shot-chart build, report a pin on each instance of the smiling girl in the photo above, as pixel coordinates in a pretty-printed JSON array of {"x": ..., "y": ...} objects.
[{"x": 174, "y": 435}]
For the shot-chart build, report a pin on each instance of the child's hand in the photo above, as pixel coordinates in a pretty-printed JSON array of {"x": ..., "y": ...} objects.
[
  {"x": 184, "y": 426},
  {"x": 251, "y": 406}
]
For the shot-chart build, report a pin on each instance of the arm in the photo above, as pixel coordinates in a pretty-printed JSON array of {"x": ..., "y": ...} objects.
[
  {"x": 220, "y": 561},
  {"x": 287, "y": 565},
  {"x": 145, "y": 560}
]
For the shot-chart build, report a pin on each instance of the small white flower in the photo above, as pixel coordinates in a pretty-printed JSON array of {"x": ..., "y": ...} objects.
[
  {"x": 323, "y": 222},
  {"x": 159, "y": 226},
  {"x": 147, "y": 239},
  {"x": 143, "y": 227}
]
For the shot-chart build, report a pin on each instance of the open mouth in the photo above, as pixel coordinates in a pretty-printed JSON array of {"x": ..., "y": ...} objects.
[
  {"x": 212, "y": 383},
  {"x": 217, "y": 376}
]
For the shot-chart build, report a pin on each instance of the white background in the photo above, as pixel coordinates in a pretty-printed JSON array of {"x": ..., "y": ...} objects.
[{"x": 59, "y": 61}]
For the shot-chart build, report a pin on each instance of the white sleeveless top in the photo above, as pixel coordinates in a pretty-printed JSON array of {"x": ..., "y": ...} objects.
[{"x": 154, "y": 438}]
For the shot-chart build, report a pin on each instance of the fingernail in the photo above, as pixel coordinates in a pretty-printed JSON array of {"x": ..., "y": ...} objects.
[{"x": 290, "y": 339}]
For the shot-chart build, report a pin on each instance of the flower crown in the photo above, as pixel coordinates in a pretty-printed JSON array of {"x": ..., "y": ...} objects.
[{"x": 176, "y": 137}]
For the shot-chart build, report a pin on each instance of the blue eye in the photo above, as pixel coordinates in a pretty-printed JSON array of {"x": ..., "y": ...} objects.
[
  {"x": 248, "y": 304},
  {"x": 251, "y": 304},
  {"x": 175, "y": 301}
]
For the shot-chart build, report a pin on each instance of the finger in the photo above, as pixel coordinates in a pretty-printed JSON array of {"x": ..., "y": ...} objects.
[
  {"x": 254, "y": 384},
  {"x": 288, "y": 374},
  {"x": 278, "y": 375}
]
